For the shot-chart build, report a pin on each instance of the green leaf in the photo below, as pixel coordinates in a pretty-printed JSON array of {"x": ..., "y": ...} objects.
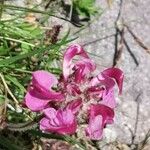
[
  {"x": 18, "y": 57},
  {"x": 11, "y": 60},
  {"x": 56, "y": 71},
  {"x": 85, "y": 7},
  {"x": 66, "y": 36},
  {"x": 25, "y": 48},
  {"x": 15, "y": 82},
  {"x": 20, "y": 30},
  {"x": 2, "y": 100},
  {"x": 33, "y": 30},
  {"x": 3, "y": 50}
]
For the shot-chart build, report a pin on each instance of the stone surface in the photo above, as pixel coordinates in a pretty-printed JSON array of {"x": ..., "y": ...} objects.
[{"x": 132, "y": 115}]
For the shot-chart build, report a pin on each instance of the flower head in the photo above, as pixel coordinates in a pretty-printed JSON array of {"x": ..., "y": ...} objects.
[{"x": 78, "y": 95}]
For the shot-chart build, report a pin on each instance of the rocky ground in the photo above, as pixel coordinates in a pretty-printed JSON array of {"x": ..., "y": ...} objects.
[
  {"x": 132, "y": 113},
  {"x": 132, "y": 122}
]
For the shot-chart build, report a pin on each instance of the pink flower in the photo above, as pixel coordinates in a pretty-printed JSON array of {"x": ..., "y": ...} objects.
[
  {"x": 93, "y": 94},
  {"x": 40, "y": 92},
  {"x": 58, "y": 121},
  {"x": 100, "y": 115}
]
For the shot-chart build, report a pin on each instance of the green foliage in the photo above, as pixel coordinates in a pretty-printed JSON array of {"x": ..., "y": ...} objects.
[
  {"x": 1, "y": 100},
  {"x": 24, "y": 49},
  {"x": 15, "y": 141},
  {"x": 85, "y": 8},
  {"x": 16, "y": 83},
  {"x": 7, "y": 144}
]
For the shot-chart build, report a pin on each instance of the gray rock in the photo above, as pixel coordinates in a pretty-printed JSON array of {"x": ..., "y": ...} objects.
[{"x": 129, "y": 121}]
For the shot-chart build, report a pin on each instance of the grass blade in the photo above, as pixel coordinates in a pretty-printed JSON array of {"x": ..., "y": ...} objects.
[
  {"x": 6, "y": 143},
  {"x": 15, "y": 82},
  {"x": 29, "y": 54}
]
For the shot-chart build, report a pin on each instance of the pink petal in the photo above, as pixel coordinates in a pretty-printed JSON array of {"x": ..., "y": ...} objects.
[
  {"x": 44, "y": 124},
  {"x": 50, "y": 112},
  {"x": 95, "y": 128},
  {"x": 83, "y": 68},
  {"x": 43, "y": 81},
  {"x": 104, "y": 81},
  {"x": 100, "y": 115},
  {"x": 95, "y": 92},
  {"x": 99, "y": 109},
  {"x": 117, "y": 74},
  {"x": 109, "y": 99},
  {"x": 72, "y": 51},
  {"x": 61, "y": 121},
  {"x": 65, "y": 116},
  {"x": 68, "y": 129},
  {"x": 108, "y": 83},
  {"x": 101, "y": 86},
  {"x": 73, "y": 89},
  {"x": 35, "y": 101},
  {"x": 75, "y": 105}
]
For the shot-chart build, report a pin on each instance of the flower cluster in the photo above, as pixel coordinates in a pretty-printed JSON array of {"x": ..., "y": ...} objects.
[{"x": 76, "y": 97}]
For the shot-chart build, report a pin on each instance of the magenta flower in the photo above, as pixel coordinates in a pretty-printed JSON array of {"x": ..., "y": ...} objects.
[
  {"x": 100, "y": 115},
  {"x": 77, "y": 93},
  {"x": 58, "y": 121}
]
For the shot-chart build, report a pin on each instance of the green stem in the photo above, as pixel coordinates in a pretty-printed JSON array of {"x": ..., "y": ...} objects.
[
  {"x": 18, "y": 41},
  {"x": 24, "y": 71}
]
